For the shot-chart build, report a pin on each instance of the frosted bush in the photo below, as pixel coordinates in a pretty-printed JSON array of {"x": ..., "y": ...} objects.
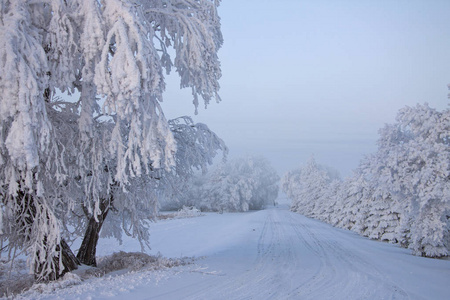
[
  {"x": 188, "y": 212},
  {"x": 134, "y": 261},
  {"x": 14, "y": 277}
]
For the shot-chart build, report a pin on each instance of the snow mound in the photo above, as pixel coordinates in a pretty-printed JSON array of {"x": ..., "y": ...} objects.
[
  {"x": 17, "y": 281},
  {"x": 14, "y": 280},
  {"x": 69, "y": 279}
]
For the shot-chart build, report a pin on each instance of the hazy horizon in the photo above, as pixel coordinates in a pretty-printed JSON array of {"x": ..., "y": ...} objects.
[{"x": 302, "y": 78}]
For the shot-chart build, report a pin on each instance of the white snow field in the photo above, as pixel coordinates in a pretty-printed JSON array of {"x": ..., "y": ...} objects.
[{"x": 268, "y": 254}]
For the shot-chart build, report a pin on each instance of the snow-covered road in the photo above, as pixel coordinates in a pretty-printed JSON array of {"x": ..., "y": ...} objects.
[{"x": 271, "y": 254}]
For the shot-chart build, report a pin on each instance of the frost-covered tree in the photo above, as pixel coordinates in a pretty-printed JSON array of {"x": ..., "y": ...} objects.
[
  {"x": 291, "y": 186},
  {"x": 241, "y": 184},
  {"x": 113, "y": 53},
  {"x": 130, "y": 210},
  {"x": 307, "y": 186},
  {"x": 400, "y": 194},
  {"x": 329, "y": 204},
  {"x": 197, "y": 145},
  {"x": 412, "y": 166}
]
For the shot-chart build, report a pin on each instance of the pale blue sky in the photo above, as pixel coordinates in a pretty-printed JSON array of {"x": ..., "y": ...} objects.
[{"x": 321, "y": 77}]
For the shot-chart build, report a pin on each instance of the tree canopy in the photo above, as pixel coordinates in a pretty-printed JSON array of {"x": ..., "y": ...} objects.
[{"x": 112, "y": 56}]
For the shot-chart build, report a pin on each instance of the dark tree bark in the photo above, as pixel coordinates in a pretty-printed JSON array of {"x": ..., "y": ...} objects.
[
  {"x": 68, "y": 259},
  {"x": 88, "y": 249}
]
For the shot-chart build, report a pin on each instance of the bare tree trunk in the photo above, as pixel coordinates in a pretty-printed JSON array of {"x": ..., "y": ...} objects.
[
  {"x": 69, "y": 260},
  {"x": 88, "y": 249}
]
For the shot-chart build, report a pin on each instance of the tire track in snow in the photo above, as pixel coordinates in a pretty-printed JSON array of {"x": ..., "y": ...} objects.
[
  {"x": 343, "y": 273},
  {"x": 294, "y": 261},
  {"x": 266, "y": 278}
]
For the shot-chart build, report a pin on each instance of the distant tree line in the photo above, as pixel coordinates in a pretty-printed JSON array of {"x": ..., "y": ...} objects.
[{"x": 241, "y": 184}]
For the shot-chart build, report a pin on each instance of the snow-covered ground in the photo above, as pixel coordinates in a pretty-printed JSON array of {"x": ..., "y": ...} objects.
[{"x": 269, "y": 254}]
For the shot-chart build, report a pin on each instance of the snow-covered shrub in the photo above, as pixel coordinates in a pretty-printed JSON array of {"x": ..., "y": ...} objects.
[
  {"x": 188, "y": 212},
  {"x": 241, "y": 184},
  {"x": 184, "y": 212},
  {"x": 14, "y": 277},
  {"x": 134, "y": 261}
]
